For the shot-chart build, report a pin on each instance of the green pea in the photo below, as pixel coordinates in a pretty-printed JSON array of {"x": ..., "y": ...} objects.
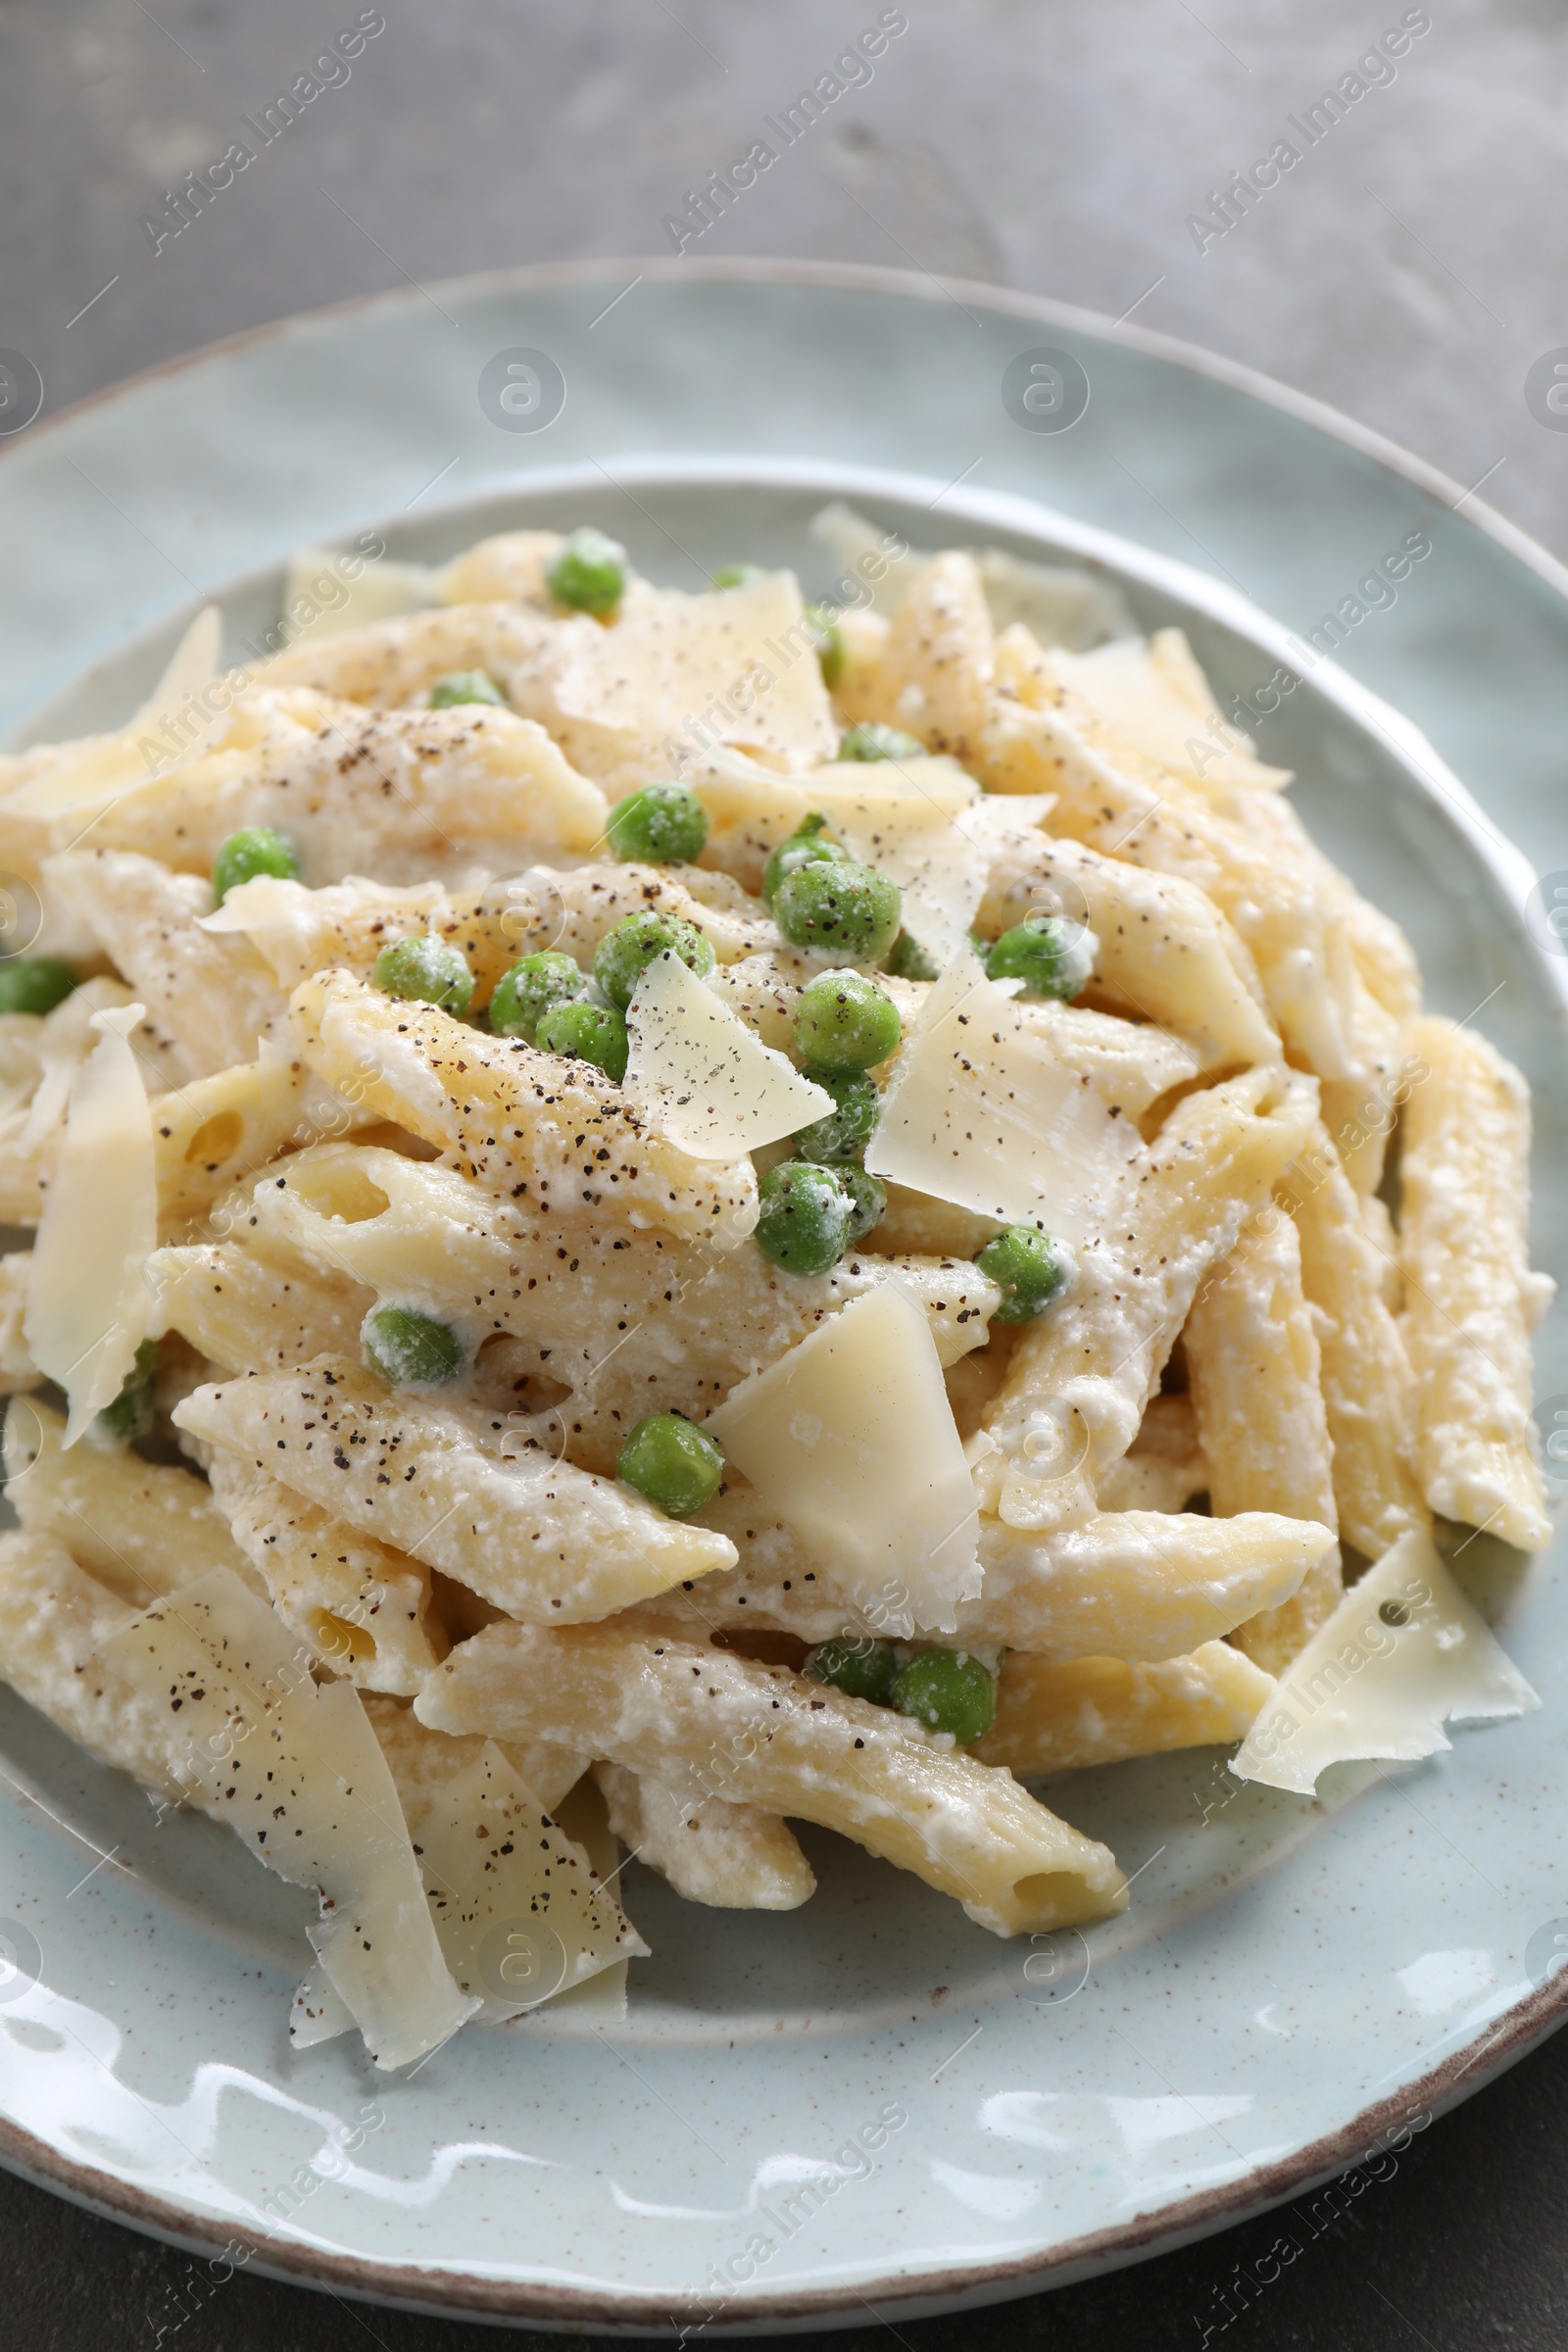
[
  {"x": 464, "y": 686},
  {"x": 624, "y": 953},
  {"x": 829, "y": 643},
  {"x": 34, "y": 984},
  {"x": 803, "y": 1220},
  {"x": 737, "y": 576},
  {"x": 910, "y": 960},
  {"x": 583, "y": 1032},
  {"x": 257, "y": 849},
  {"x": 857, "y": 1665},
  {"x": 948, "y": 1692},
  {"x": 1031, "y": 1269},
  {"x": 805, "y": 846},
  {"x": 131, "y": 1415},
  {"x": 871, "y": 740},
  {"x": 589, "y": 572},
  {"x": 425, "y": 972},
  {"x": 672, "y": 1462},
  {"x": 1050, "y": 957},
  {"x": 844, "y": 1021},
  {"x": 410, "y": 1348},
  {"x": 852, "y": 908},
  {"x": 869, "y": 1202},
  {"x": 662, "y": 823},
  {"x": 528, "y": 991},
  {"x": 843, "y": 1133}
]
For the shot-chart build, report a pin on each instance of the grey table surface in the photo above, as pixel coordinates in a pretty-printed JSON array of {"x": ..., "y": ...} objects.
[{"x": 1403, "y": 271}]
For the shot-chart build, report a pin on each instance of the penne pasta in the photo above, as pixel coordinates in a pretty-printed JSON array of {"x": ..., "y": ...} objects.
[
  {"x": 1058, "y": 1716},
  {"x": 237, "y": 1308},
  {"x": 732, "y": 1857},
  {"x": 416, "y": 795},
  {"x": 1080, "y": 1379},
  {"x": 559, "y": 1135},
  {"x": 423, "y": 1762},
  {"x": 1253, "y": 1361},
  {"x": 213, "y": 997},
  {"x": 362, "y": 1608},
  {"x": 1368, "y": 1388},
  {"x": 707, "y": 1723},
  {"x": 1162, "y": 951},
  {"x": 1471, "y": 1301},
  {"x": 486, "y": 1503},
  {"x": 142, "y": 1529},
  {"x": 1132, "y": 1583}
]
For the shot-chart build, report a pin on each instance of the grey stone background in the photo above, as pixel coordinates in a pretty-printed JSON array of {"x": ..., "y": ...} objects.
[{"x": 1408, "y": 271}]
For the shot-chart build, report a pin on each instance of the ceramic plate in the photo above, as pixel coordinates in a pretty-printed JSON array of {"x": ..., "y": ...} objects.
[{"x": 1297, "y": 1981}]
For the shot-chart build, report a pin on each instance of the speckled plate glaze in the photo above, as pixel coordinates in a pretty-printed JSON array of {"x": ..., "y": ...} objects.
[{"x": 1298, "y": 1981}]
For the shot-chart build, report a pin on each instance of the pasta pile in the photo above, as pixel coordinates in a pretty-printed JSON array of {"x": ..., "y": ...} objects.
[{"x": 660, "y": 1214}]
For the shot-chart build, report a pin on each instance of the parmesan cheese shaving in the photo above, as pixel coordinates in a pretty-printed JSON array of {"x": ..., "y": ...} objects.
[
  {"x": 87, "y": 1304},
  {"x": 908, "y": 817},
  {"x": 1155, "y": 697},
  {"x": 382, "y": 590},
  {"x": 519, "y": 1911},
  {"x": 850, "y": 1438},
  {"x": 980, "y": 1112},
  {"x": 297, "y": 1772},
  {"x": 706, "y": 1079},
  {"x": 93, "y": 773},
  {"x": 1402, "y": 1654}
]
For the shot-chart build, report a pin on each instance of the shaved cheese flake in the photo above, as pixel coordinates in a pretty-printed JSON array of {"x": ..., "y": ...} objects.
[
  {"x": 981, "y": 1113},
  {"x": 908, "y": 818},
  {"x": 686, "y": 672},
  {"x": 87, "y": 1304},
  {"x": 318, "y": 2013},
  {"x": 519, "y": 1911},
  {"x": 266, "y": 903},
  {"x": 1402, "y": 1654},
  {"x": 108, "y": 765},
  {"x": 705, "y": 1079},
  {"x": 1134, "y": 692},
  {"x": 321, "y": 600},
  {"x": 295, "y": 1769},
  {"x": 850, "y": 1438}
]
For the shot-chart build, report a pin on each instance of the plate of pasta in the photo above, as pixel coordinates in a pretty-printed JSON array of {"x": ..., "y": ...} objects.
[{"x": 763, "y": 1363}]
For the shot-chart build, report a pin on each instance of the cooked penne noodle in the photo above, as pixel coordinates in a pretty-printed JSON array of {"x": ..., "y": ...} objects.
[
  {"x": 561, "y": 1136},
  {"x": 488, "y": 1505},
  {"x": 1134, "y": 1584},
  {"x": 142, "y": 1529},
  {"x": 1471, "y": 1301},
  {"x": 731, "y": 1858},
  {"x": 1165, "y": 1466},
  {"x": 239, "y": 1308},
  {"x": 395, "y": 663},
  {"x": 707, "y": 1723},
  {"x": 362, "y": 1608},
  {"x": 414, "y": 794},
  {"x": 212, "y": 1133},
  {"x": 1080, "y": 1378},
  {"x": 1162, "y": 948},
  {"x": 1257, "y": 1400},
  {"x": 1058, "y": 1716},
  {"x": 213, "y": 997},
  {"x": 1368, "y": 1388}
]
